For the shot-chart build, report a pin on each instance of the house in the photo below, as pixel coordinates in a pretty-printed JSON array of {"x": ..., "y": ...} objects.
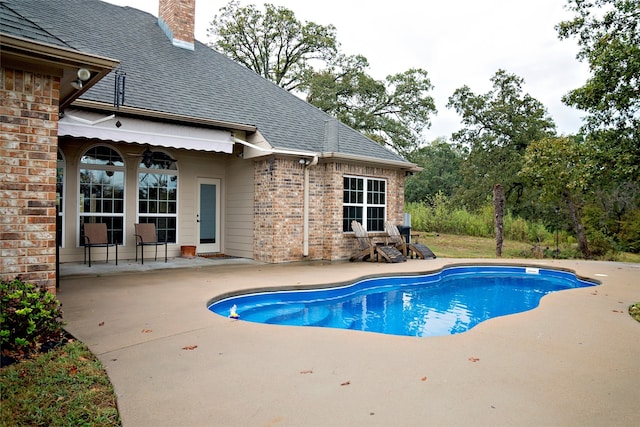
[{"x": 154, "y": 126}]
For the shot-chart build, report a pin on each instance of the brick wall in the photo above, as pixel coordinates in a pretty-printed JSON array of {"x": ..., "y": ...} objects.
[
  {"x": 278, "y": 208},
  {"x": 339, "y": 245},
  {"x": 179, "y": 15},
  {"x": 28, "y": 128}
]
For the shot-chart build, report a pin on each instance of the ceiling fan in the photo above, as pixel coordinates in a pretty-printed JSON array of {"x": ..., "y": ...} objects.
[{"x": 149, "y": 158}]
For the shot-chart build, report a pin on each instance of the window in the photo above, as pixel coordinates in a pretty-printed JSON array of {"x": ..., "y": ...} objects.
[
  {"x": 364, "y": 200},
  {"x": 60, "y": 170},
  {"x": 158, "y": 194},
  {"x": 102, "y": 191}
]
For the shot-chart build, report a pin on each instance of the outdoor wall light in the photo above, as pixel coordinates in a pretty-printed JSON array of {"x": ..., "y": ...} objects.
[
  {"x": 83, "y": 75},
  {"x": 77, "y": 84}
]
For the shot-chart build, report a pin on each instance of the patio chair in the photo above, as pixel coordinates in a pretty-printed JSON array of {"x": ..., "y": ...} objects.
[
  {"x": 146, "y": 236},
  {"x": 95, "y": 236},
  {"x": 395, "y": 238},
  {"x": 408, "y": 249},
  {"x": 372, "y": 250}
]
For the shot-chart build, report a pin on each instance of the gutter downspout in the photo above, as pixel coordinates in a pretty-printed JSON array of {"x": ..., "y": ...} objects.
[
  {"x": 305, "y": 203},
  {"x": 305, "y": 207}
]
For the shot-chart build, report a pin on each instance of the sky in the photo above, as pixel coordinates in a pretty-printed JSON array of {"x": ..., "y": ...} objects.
[{"x": 458, "y": 42}]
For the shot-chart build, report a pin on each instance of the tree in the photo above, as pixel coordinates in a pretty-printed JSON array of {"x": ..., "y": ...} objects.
[
  {"x": 305, "y": 58},
  {"x": 274, "y": 44},
  {"x": 563, "y": 169},
  {"x": 393, "y": 112},
  {"x": 498, "y": 127},
  {"x": 441, "y": 163},
  {"x": 608, "y": 33}
]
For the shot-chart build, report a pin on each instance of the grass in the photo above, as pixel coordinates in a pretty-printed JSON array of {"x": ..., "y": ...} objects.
[
  {"x": 455, "y": 246},
  {"x": 66, "y": 386}
]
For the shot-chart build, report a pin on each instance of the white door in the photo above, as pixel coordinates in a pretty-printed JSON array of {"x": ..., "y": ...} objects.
[{"x": 208, "y": 215}]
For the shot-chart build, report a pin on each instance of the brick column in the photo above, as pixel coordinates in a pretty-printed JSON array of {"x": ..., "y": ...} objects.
[
  {"x": 28, "y": 129},
  {"x": 278, "y": 205}
]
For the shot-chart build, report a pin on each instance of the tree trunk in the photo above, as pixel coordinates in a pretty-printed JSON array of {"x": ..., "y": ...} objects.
[
  {"x": 574, "y": 214},
  {"x": 498, "y": 209}
]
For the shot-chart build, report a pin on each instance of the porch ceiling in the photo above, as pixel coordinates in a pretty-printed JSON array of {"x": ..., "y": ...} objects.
[{"x": 102, "y": 126}]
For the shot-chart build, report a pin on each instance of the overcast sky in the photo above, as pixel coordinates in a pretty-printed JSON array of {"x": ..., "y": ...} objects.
[{"x": 458, "y": 42}]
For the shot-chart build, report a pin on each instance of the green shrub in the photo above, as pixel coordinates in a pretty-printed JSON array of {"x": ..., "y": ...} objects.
[
  {"x": 30, "y": 318},
  {"x": 438, "y": 216},
  {"x": 599, "y": 243},
  {"x": 629, "y": 234},
  {"x": 515, "y": 228}
]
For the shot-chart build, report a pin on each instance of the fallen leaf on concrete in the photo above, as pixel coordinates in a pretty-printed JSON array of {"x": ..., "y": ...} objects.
[
  {"x": 309, "y": 371},
  {"x": 146, "y": 331},
  {"x": 190, "y": 347},
  {"x": 346, "y": 383},
  {"x": 474, "y": 359}
]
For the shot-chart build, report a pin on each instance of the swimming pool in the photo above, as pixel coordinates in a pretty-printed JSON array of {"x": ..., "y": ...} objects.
[{"x": 449, "y": 301}]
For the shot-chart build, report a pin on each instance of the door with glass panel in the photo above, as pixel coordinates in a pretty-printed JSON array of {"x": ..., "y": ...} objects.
[{"x": 208, "y": 215}]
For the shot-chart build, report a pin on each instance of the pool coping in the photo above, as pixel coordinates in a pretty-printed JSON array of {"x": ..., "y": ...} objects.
[{"x": 314, "y": 286}]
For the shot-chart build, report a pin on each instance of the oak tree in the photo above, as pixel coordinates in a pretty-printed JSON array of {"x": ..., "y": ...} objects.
[
  {"x": 608, "y": 34},
  {"x": 498, "y": 126}
]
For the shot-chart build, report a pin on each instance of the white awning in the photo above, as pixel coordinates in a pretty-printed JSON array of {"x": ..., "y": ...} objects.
[{"x": 102, "y": 126}]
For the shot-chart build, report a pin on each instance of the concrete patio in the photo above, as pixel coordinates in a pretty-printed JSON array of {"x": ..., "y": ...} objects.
[{"x": 572, "y": 361}]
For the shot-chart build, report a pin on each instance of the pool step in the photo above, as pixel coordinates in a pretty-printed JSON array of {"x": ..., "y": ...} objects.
[
  {"x": 264, "y": 314},
  {"x": 305, "y": 316}
]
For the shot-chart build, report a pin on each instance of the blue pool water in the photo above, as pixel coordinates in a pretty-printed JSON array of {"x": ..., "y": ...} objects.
[{"x": 450, "y": 301}]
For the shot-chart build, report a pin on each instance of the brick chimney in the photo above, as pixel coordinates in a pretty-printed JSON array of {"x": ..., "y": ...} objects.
[{"x": 177, "y": 19}]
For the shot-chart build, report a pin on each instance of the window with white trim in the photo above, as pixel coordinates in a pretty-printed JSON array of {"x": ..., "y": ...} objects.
[
  {"x": 158, "y": 195},
  {"x": 102, "y": 191},
  {"x": 364, "y": 200}
]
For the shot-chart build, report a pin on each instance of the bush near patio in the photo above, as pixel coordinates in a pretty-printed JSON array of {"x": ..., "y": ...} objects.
[
  {"x": 634, "y": 311},
  {"x": 47, "y": 378},
  {"x": 30, "y": 319}
]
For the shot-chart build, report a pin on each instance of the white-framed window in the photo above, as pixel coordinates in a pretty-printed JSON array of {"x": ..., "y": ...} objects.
[
  {"x": 60, "y": 173},
  {"x": 102, "y": 191},
  {"x": 364, "y": 200},
  {"x": 158, "y": 194}
]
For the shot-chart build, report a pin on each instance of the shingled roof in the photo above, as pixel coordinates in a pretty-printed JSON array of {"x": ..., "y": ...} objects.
[{"x": 199, "y": 83}]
